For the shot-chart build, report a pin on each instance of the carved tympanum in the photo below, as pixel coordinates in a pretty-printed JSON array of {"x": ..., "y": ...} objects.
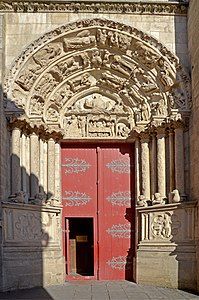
[{"x": 96, "y": 78}]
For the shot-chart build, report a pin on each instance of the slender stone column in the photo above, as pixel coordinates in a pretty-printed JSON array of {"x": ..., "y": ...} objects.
[
  {"x": 41, "y": 166},
  {"x": 45, "y": 165},
  {"x": 27, "y": 155},
  {"x": 137, "y": 169},
  {"x": 57, "y": 171},
  {"x": 145, "y": 165},
  {"x": 161, "y": 162},
  {"x": 15, "y": 161},
  {"x": 23, "y": 164},
  {"x": 34, "y": 165},
  {"x": 153, "y": 165},
  {"x": 171, "y": 161},
  {"x": 179, "y": 160},
  {"x": 51, "y": 168}
]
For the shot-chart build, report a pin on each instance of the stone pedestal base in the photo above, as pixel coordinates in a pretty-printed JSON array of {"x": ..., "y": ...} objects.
[
  {"x": 166, "y": 251},
  {"x": 31, "y": 252}
]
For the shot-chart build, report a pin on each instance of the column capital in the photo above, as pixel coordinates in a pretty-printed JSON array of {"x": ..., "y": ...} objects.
[
  {"x": 178, "y": 125},
  {"x": 144, "y": 136},
  {"x": 33, "y": 134},
  {"x": 161, "y": 131}
]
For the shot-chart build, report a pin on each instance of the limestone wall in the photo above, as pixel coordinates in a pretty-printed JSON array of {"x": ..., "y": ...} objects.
[
  {"x": 19, "y": 30},
  {"x": 193, "y": 25}
]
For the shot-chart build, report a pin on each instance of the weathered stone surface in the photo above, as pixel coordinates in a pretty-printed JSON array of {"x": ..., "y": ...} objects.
[
  {"x": 193, "y": 24},
  {"x": 166, "y": 247},
  {"x": 115, "y": 76}
]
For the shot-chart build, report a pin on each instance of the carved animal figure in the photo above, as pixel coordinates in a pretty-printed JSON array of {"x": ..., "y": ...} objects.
[{"x": 175, "y": 196}]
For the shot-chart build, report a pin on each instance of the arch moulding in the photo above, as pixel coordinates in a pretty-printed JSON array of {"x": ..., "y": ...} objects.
[{"x": 96, "y": 79}]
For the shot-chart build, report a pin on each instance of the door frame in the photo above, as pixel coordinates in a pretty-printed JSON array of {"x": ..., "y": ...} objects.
[{"x": 96, "y": 144}]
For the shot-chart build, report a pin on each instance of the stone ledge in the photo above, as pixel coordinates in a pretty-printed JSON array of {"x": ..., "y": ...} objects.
[
  {"x": 166, "y": 207},
  {"x": 115, "y": 6},
  {"x": 26, "y": 206}
]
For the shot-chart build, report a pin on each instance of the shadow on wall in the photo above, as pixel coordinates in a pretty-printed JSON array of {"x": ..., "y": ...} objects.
[
  {"x": 30, "y": 226},
  {"x": 182, "y": 236}
]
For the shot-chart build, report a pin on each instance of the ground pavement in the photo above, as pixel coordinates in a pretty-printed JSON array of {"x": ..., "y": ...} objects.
[{"x": 98, "y": 290}]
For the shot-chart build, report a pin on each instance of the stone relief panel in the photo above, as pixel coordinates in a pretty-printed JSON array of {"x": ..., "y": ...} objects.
[
  {"x": 170, "y": 225},
  {"x": 97, "y": 115},
  {"x": 72, "y": 60},
  {"x": 30, "y": 227}
]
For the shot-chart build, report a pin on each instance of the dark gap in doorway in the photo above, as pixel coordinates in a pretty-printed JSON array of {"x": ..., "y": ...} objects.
[{"x": 81, "y": 246}]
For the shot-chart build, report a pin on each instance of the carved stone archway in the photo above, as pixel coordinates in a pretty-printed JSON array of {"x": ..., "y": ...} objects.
[{"x": 99, "y": 79}]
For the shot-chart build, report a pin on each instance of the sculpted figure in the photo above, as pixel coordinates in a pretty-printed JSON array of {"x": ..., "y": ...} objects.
[
  {"x": 101, "y": 36},
  {"x": 28, "y": 76},
  {"x": 132, "y": 91},
  {"x": 82, "y": 125},
  {"x": 85, "y": 59},
  {"x": 145, "y": 54},
  {"x": 160, "y": 108},
  {"x": 106, "y": 58},
  {"x": 82, "y": 39},
  {"x": 71, "y": 126},
  {"x": 142, "y": 202},
  {"x": 137, "y": 114},
  {"x": 112, "y": 80},
  {"x": 46, "y": 84},
  {"x": 68, "y": 66},
  {"x": 174, "y": 196},
  {"x": 84, "y": 81},
  {"x": 166, "y": 231},
  {"x": 144, "y": 111},
  {"x": 93, "y": 103},
  {"x": 36, "y": 104},
  {"x": 113, "y": 38},
  {"x": 19, "y": 197},
  {"x": 165, "y": 74},
  {"x": 52, "y": 114},
  {"x": 18, "y": 97},
  {"x": 62, "y": 96},
  {"x": 101, "y": 127},
  {"x": 124, "y": 41},
  {"x": 122, "y": 130},
  {"x": 40, "y": 199},
  {"x": 121, "y": 65},
  {"x": 96, "y": 59},
  {"x": 144, "y": 80},
  {"x": 47, "y": 54},
  {"x": 157, "y": 199}
]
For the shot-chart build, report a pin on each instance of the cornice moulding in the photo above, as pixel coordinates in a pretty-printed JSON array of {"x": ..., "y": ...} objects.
[{"x": 87, "y": 6}]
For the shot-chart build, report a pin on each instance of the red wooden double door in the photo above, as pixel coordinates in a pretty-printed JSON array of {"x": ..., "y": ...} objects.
[{"x": 98, "y": 211}]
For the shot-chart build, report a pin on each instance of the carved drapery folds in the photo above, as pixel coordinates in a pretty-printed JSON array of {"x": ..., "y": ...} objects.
[{"x": 98, "y": 79}]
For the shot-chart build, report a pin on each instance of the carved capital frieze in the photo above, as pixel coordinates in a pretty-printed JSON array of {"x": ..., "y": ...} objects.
[{"x": 93, "y": 7}]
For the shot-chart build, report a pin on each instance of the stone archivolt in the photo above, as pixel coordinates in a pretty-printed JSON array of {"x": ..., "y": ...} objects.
[{"x": 97, "y": 78}]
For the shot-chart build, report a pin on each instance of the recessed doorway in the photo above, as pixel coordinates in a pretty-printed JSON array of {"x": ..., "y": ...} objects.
[{"x": 98, "y": 211}]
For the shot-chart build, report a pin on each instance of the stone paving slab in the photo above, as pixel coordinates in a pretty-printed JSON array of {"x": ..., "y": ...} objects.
[{"x": 98, "y": 290}]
